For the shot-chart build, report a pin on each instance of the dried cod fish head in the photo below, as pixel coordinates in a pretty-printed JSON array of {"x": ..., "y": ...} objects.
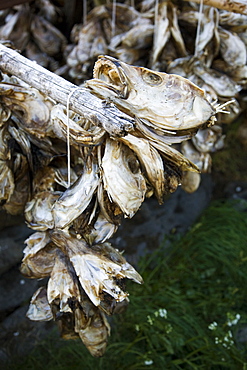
[
  {"x": 99, "y": 269},
  {"x": 209, "y": 139},
  {"x": 76, "y": 199},
  {"x": 38, "y": 211},
  {"x": 63, "y": 285},
  {"x": 17, "y": 200},
  {"x": 49, "y": 39},
  {"x": 31, "y": 107},
  {"x": 232, "y": 48},
  {"x": 7, "y": 184},
  {"x": 122, "y": 177},
  {"x": 93, "y": 329},
  {"x": 39, "y": 308},
  {"x": 40, "y": 264},
  {"x": 168, "y": 103},
  {"x": 39, "y": 256}
]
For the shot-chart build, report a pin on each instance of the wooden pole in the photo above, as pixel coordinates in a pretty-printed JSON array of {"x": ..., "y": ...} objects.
[
  {"x": 235, "y": 6},
  {"x": 105, "y": 115},
  {"x": 5, "y": 4}
]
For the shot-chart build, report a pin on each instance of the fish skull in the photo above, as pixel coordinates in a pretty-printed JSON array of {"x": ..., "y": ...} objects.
[{"x": 168, "y": 103}]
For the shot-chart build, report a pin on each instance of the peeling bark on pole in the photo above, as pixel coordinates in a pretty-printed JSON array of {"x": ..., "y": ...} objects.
[
  {"x": 235, "y": 6},
  {"x": 115, "y": 122}
]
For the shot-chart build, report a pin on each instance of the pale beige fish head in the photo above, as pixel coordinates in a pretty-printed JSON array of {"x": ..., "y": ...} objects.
[{"x": 169, "y": 102}]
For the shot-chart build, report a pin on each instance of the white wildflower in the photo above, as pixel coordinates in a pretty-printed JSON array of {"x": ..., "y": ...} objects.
[
  {"x": 150, "y": 320},
  {"x": 233, "y": 321},
  {"x": 162, "y": 312},
  {"x": 213, "y": 325},
  {"x": 148, "y": 362}
]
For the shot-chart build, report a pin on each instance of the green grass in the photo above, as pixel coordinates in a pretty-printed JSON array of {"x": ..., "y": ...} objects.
[{"x": 188, "y": 312}]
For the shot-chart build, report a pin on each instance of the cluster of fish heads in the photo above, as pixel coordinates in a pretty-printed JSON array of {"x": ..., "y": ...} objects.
[{"x": 74, "y": 209}]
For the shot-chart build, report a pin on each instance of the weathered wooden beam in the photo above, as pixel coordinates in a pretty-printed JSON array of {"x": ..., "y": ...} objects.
[
  {"x": 235, "y": 6},
  {"x": 105, "y": 115},
  {"x": 4, "y": 4}
]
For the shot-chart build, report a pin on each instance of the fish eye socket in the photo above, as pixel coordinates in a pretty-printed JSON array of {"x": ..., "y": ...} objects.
[{"x": 151, "y": 78}]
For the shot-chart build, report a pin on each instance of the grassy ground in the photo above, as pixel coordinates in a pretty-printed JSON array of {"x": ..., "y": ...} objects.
[{"x": 189, "y": 313}]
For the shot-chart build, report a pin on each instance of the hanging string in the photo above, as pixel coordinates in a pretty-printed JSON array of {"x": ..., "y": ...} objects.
[
  {"x": 113, "y": 19},
  {"x": 198, "y": 31},
  {"x": 68, "y": 138},
  {"x": 156, "y": 12},
  {"x": 84, "y": 11}
]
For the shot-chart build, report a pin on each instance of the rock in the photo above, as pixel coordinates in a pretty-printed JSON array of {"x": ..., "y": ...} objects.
[
  {"x": 19, "y": 335},
  {"x": 7, "y": 220},
  {"x": 11, "y": 245},
  {"x": 15, "y": 290}
]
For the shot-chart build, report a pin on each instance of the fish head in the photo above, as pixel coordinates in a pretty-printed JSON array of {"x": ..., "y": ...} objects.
[{"x": 168, "y": 102}]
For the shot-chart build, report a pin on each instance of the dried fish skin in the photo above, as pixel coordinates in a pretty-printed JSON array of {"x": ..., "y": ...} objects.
[
  {"x": 44, "y": 180},
  {"x": 38, "y": 211},
  {"x": 122, "y": 177},
  {"x": 101, "y": 231},
  {"x": 17, "y": 200},
  {"x": 208, "y": 41},
  {"x": 232, "y": 48},
  {"x": 141, "y": 92},
  {"x": 35, "y": 243},
  {"x": 49, "y": 39},
  {"x": 209, "y": 139},
  {"x": 17, "y": 28},
  {"x": 175, "y": 30},
  {"x": 48, "y": 11},
  {"x": 62, "y": 286},
  {"x": 151, "y": 162},
  {"x": 161, "y": 32},
  {"x": 230, "y": 19},
  {"x": 33, "y": 52},
  {"x": 166, "y": 28},
  {"x": 39, "y": 308},
  {"x": 66, "y": 324},
  {"x": 220, "y": 82},
  {"x": 110, "y": 210},
  {"x": 5, "y": 114},
  {"x": 170, "y": 154},
  {"x": 7, "y": 184},
  {"x": 89, "y": 42},
  {"x": 40, "y": 264},
  {"x": 61, "y": 175},
  {"x": 5, "y": 153},
  {"x": 202, "y": 160},
  {"x": 90, "y": 135},
  {"x": 29, "y": 105},
  {"x": 138, "y": 37},
  {"x": 22, "y": 139},
  {"x": 97, "y": 274},
  {"x": 106, "y": 250},
  {"x": 93, "y": 331},
  {"x": 130, "y": 56},
  {"x": 76, "y": 198}
]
